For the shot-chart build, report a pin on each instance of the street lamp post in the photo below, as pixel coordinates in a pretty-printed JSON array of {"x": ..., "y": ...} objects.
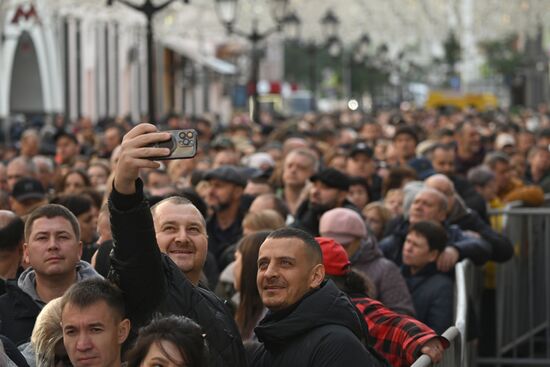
[
  {"x": 330, "y": 24},
  {"x": 148, "y": 9},
  {"x": 227, "y": 13}
]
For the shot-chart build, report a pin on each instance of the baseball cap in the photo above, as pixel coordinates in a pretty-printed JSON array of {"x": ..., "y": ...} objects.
[
  {"x": 28, "y": 188},
  {"x": 230, "y": 174},
  {"x": 332, "y": 178},
  {"x": 335, "y": 258},
  {"x": 343, "y": 225},
  {"x": 423, "y": 167},
  {"x": 361, "y": 148},
  {"x": 504, "y": 140}
]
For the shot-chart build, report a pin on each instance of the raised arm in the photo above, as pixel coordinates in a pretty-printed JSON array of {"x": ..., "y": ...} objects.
[{"x": 136, "y": 265}]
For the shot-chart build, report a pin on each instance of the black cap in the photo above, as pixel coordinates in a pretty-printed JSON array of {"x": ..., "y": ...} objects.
[
  {"x": 62, "y": 133},
  {"x": 229, "y": 174},
  {"x": 28, "y": 188},
  {"x": 361, "y": 148},
  {"x": 423, "y": 168},
  {"x": 332, "y": 178}
]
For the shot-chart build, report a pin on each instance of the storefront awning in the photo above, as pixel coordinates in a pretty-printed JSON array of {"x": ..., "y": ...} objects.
[{"x": 190, "y": 49}]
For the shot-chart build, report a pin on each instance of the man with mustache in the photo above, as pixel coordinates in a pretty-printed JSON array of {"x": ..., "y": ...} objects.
[
  {"x": 52, "y": 248},
  {"x": 158, "y": 254},
  {"x": 310, "y": 322}
]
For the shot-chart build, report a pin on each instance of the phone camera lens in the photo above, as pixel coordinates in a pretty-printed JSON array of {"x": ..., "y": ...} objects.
[{"x": 182, "y": 135}]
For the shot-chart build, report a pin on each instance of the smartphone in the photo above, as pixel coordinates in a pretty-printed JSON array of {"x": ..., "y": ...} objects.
[{"x": 182, "y": 144}]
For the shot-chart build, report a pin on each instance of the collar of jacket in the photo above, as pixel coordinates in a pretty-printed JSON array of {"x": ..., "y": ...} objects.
[
  {"x": 324, "y": 306},
  {"x": 27, "y": 280}
]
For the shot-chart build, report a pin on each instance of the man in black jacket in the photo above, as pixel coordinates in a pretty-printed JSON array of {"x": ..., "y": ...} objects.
[
  {"x": 53, "y": 248},
  {"x": 329, "y": 191},
  {"x": 469, "y": 221},
  {"x": 310, "y": 322},
  {"x": 157, "y": 262}
]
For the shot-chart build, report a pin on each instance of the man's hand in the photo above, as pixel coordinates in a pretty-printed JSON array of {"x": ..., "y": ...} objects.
[
  {"x": 434, "y": 349},
  {"x": 134, "y": 151},
  {"x": 447, "y": 259}
]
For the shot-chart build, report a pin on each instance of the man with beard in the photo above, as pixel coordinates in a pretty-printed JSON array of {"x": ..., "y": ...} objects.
[
  {"x": 225, "y": 198},
  {"x": 329, "y": 191},
  {"x": 309, "y": 322}
]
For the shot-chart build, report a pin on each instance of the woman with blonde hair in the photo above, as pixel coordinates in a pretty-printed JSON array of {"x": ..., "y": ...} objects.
[
  {"x": 46, "y": 347},
  {"x": 377, "y": 215},
  {"x": 264, "y": 220}
]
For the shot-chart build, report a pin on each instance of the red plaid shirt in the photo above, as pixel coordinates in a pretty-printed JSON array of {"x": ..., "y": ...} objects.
[{"x": 398, "y": 338}]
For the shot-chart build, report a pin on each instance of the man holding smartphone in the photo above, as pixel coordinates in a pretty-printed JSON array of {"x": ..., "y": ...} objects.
[{"x": 158, "y": 256}]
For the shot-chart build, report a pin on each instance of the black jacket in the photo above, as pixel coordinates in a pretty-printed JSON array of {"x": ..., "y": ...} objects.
[
  {"x": 18, "y": 312},
  {"x": 323, "y": 329},
  {"x": 152, "y": 283},
  {"x": 468, "y": 220},
  {"x": 470, "y": 196},
  {"x": 475, "y": 249},
  {"x": 20, "y": 305},
  {"x": 432, "y": 293}
]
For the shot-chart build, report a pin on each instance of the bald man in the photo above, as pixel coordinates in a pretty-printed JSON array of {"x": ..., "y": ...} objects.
[
  {"x": 468, "y": 220},
  {"x": 11, "y": 247}
]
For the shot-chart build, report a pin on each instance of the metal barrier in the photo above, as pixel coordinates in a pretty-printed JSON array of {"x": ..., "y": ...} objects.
[
  {"x": 458, "y": 353},
  {"x": 523, "y": 290}
]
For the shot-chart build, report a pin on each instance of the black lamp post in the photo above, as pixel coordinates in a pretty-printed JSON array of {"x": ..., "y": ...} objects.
[
  {"x": 227, "y": 13},
  {"x": 330, "y": 24},
  {"x": 149, "y": 10}
]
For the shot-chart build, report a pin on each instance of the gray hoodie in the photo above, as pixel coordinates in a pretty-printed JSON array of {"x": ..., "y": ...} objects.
[{"x": 27, "y": 279}]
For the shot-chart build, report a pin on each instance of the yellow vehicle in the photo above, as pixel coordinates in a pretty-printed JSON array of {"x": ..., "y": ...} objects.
[{"x": 479, "y": 101}]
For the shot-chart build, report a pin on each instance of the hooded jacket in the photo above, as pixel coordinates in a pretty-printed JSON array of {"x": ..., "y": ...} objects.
[
  {"x": 322, "y": 329},
  {"x": 391, "y": 288},
  {"x": 20, "y": 305}
]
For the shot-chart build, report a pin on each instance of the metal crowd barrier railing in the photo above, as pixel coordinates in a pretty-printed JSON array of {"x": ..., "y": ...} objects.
[
  {"x": 523, "y": 290},
  {"x": 458, "y": 353}
]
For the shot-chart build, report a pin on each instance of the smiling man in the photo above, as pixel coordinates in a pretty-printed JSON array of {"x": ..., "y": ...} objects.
[
  {"x": 52, "y": 248},
  {"x": 94, "y": 324},
  {"x": 158, "y": 254},
  {"x": 181, "y": 234},
  {"x": 310, "y": 322}
]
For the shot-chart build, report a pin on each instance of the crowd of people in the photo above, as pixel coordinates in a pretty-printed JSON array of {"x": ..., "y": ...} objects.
[{"x": 324, "y": 240}]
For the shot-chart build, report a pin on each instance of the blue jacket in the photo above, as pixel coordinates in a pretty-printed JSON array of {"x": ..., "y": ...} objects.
[
  {"x": 432, "y": 293},
  {"x": 476, "y": 249}
]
